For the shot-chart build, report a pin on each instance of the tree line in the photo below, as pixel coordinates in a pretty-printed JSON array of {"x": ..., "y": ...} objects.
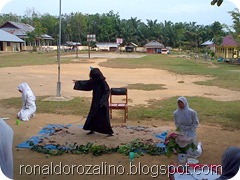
[{"x": 109, "y": 26}]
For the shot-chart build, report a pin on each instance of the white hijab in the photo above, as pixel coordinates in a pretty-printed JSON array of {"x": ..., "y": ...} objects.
[
  {"x": 185, "y": 111},
  {"x": 186, "y": 119},
  {"x": 26, "y": 92}
]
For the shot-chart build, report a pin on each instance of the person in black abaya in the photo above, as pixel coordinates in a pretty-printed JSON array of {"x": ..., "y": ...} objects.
[{"x": 98, "y": 117}]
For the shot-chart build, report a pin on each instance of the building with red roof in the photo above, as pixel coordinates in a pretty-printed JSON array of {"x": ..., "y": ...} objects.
[{"x": 228, "y": 48}]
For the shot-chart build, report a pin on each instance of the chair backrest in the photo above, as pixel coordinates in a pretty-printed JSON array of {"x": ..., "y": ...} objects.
[{"x": 119, "y": 92}]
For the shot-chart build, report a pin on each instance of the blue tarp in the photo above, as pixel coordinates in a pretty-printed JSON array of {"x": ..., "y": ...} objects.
[
  {"x": 35, "y": 140},
  {"x": 46, "y": 131},
  {"x": 51, "y": 128},
  {"x": 162, "y": 137}
]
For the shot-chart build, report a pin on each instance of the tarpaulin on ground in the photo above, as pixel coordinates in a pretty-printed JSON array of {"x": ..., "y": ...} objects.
[
  {"x": 52, "y": 128},
  {"x": 46, "y": 131}
]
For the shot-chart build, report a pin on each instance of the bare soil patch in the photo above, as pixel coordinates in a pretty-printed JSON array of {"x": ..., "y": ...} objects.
[{"x": 43, "y": 81}]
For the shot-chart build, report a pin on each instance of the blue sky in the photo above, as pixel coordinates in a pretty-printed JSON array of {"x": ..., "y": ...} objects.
[{"x": 199, "y": 11}]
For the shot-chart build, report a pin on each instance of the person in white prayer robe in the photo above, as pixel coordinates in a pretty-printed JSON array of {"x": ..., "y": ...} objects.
[
  {"x": 29, "y": 104},
  {"x": 186, "y": 120},
  {"x": 6, "y": 153}
]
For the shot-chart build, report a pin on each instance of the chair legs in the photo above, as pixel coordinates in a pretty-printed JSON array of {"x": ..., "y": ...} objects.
[{"x": 125, "y": 114}]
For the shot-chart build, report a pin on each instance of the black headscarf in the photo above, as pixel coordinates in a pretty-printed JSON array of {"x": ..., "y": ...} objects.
[{"x": 96, "y": 75}]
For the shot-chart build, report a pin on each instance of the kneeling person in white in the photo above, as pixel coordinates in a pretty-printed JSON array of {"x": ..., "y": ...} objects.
[{"x": 29, "y": 105}]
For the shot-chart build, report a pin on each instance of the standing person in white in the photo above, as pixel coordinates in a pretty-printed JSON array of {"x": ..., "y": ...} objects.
[
  {"x": 29, "y": 105},
  {"x": 6, "y": 154}
]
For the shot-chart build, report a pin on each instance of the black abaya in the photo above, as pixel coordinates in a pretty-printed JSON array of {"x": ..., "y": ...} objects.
[{"x": 98, "y": 117}]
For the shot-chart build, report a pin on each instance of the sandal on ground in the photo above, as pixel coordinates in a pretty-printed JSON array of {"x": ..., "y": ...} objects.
[
  {"x": 91, "y": 132},
  {"x": 109, "y": 135}
]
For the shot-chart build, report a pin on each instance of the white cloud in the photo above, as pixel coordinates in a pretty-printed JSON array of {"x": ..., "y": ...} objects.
[
  {"x": 236, "y": 2},
  {"x": 3, "y": 3}
]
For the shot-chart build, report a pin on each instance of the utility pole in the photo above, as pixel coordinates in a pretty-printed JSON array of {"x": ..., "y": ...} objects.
[{"x": 59, "y": 51}]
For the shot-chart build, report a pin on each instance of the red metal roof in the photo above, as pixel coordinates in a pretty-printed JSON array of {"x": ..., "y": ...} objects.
[{"x": 229, "y": 41}]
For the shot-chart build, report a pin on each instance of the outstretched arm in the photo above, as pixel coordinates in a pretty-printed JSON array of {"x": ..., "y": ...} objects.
[{"x": 83, "y": 85}]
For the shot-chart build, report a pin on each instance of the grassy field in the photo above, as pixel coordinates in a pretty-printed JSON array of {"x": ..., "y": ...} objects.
[{"x": 225, "y": 75}]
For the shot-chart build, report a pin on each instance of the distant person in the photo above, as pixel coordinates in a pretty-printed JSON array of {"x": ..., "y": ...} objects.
[
  {"x": 186, "y": 119},
  {"x": 230, "y": 163},
  {"x": 98, "y": 117},
  {"x": 29, "y": 104},
  {"x": 196, "y": 56},
  {"x": 206, "y": 56},
  {"x": 6, "y": 154}
]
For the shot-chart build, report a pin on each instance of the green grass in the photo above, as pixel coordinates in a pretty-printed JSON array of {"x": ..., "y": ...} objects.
[
  {"x": 209, "y": 111},
  {"x": 77, "y": 106},
  {"x": 225, "y": 75},
  {"x": 34, "y": 58},
  {"x": 146, "y": 87}
]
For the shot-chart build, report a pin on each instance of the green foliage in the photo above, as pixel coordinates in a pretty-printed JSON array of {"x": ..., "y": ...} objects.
[
  {"x": 137, "y": 146},
  {"x": 172, "y": 146},
  {"x": 107, "y": 26},
  {"x": 141, "y": 147},
  {"x": 236, "y": 24}
]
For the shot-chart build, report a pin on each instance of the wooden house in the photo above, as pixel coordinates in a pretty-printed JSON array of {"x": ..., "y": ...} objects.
[
  {"x": 130, "y": 47},
  {"x": 107, "y": 46},
  {"x": 228, "y": 48},
  {"x": 153, "y": 47},
  {"x": 209, "y": 45},
  {"x": 21, "y": 30},
  {"x": 9, "y": 42}
]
